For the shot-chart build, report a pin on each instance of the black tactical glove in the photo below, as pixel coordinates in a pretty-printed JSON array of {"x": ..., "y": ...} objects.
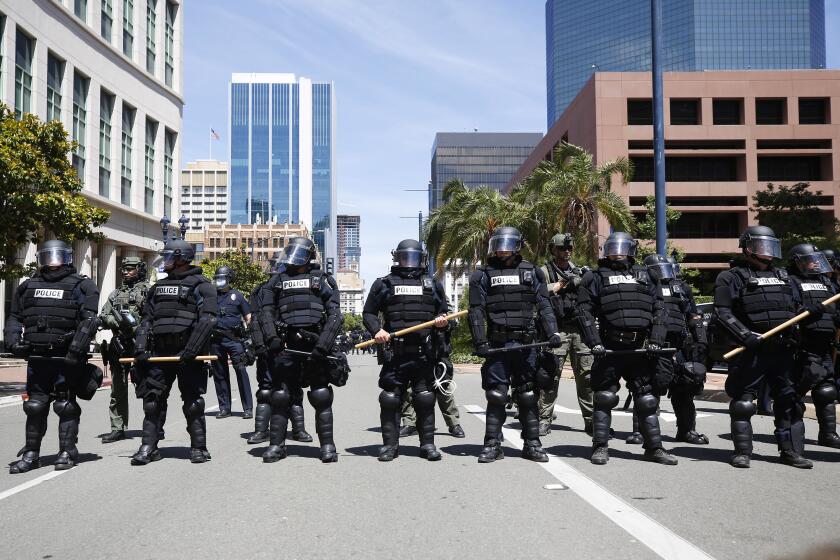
[
  {"x": 598, "y": 350},
  {"x": 751, "y": 341},
  {"x": 318, "y": 354},
  {"x": 815, "y": 311},
  {"x": 21, "y": 349},
  {"x": 276, "y": 345},
  {"x": 142, "y": 357},
  {"x": 555, "y": 340},
  {"x": 482, "y": 349},
  {"x": 188, "y": 355}
]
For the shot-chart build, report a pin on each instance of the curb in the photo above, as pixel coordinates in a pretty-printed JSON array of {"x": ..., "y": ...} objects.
[{"x": 11, "y": 400}]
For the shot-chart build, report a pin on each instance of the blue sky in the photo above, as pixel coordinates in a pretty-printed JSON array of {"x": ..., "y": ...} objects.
[{"x": 403, "y": 70}]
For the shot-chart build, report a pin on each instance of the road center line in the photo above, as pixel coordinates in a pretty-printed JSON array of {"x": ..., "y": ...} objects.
[{"x": 661, "y": 540}]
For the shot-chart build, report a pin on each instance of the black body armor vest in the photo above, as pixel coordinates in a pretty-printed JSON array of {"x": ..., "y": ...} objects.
[
  {"x": 297, "y": 299},
  {"x": 675, "y": 297},
  {"x": 50, "y": 313},
  {"x": 765, "y": 300},
  {"x": 410, "y": 301},
  {"x": 626, "y": 302},
  {"x": 815, "y": 290},
  {"x": 511, "y": 301},
  {"x": 176, "y": 308}
]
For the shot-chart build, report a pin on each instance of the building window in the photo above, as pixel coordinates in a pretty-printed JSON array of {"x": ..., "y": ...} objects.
[
  {"x": 80, "y": 9},
  {"x": 791, "y": 168},
  {"x": 770, "y": 111},
  {"x": 106, "y": 110},
  {"x": 640, "y": 111},
  {"x": 107, "y": 20},
  {"x": 126, "y": 154},
  {"x": 149, "y": 173},
  {"x": 688, "y": 169},
  {"x": 2, "y": 42},
  {"x": 169, "y": 44},
  {"x": 55, "y": 76},
  {"x": 685, "y": 111},
  {"x": 813, "y": 111},
  {"x": 24, "y": 52},
  {"x": 80, "y": 92},
  {"x": 151, "y": 23},
  {"x": 168, "y": 164},
  {"x": 128, "y": 28},
  {"x": 727, "y": 111}
]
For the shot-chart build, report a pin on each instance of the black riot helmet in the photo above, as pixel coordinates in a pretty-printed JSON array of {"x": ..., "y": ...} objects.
[
  {"x": 761, "y": 243},
  {"x": 620, "y": 244},
  {"x": 809, "y": 260},
  {"x": 660, "y": 268},
  {"x": 274, "y": 262},
  {"x": 55, "y": 253},
  {"x": 832, "y": 256},
  {"x": 223, "y": 277},
  {"x": 677, "y": 268},
  {"x": 506, "y": 239},
  {"x": 176, "y": 252},
  {"x": 299, "y": 252},
  {"x": 409, "y": 254}
]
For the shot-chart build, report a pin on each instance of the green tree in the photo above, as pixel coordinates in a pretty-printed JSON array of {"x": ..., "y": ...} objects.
[
  {"x": 247, "y": 273},
  {"x": 792, "y": 213},
  {"x": 352, "y": 322},
  {"x": 646, "y": 233},
  {"x": 567, "y": 194},
  {"x": 39, "y": 190}
]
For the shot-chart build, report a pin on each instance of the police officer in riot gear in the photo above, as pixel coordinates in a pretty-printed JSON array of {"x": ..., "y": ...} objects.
[
  {"x": 52, "y": 321},
  {"x": 811, "y": 286},
  {"x": 563, "y": 279},
  {"x": 623, "y": 298},
  {"x": 683, "y": 374},
  {"x": 180, "y": 313},
  {"x": 300, "y": 318},
  {"x": 121, "y": 315},
  {"x": 751, "y": 298},
  {"x": 406, "y": 297},
  {"x": 505, "y": 296},
  {"x": 226, "y": 342}
]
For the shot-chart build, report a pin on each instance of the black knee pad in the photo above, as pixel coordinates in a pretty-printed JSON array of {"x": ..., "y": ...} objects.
[
  {"x": 264, "y": 396},
  {"x": 389, "y": 399},
  {"x": 646, "y": 404},
  {"x": 527, "y": 398},
  {"x": 67, "y": 409},
  {"x": 498, "y": 394},
  {"x": 280, "y": 399},
  {"x": 321, "y": 396},
  {"x": 35, "y": 408},
  {"x": 605, "y": 399},
  {"x": 423, "y": 399},
  {"x": 824, "y": 394},
  {"x": 194, "y": 407},
  {"x": 741, "y": 409}
]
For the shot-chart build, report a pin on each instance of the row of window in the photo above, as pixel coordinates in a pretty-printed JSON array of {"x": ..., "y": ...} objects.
[
  {"x": 106, "y": 29},
  {"x": 812, "y": 110},
  {"x": 24, "y": 63},
  {"x": 732, "y": 168},
  {"x": 233, "y": 242}
]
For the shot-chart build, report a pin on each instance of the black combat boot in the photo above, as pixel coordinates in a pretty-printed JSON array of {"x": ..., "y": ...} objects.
[
  {"x": 600, "y": 455},
  {"x": 659, "y": 455},
  {"x": 424, "y": 403},
  {"x": 68, "y": 434},
  {"x": 492, "y": 451},
  {"x": 114, "y": 435},
  {"x": 145, "y": 455},
  {"x": 533, "y": 451},
  {"x": 28, "y": 460}
]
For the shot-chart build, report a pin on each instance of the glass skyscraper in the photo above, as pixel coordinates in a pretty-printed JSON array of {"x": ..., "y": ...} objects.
[
  {"x": 281, "y": 153},
  {"x": 583, "y": 37}
]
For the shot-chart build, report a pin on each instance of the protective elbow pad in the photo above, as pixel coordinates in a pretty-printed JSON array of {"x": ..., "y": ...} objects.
[
  {"x": 332, "y": 327},
  {"x": 201, "y": 333},
  {"x": 84, "y": 333}
]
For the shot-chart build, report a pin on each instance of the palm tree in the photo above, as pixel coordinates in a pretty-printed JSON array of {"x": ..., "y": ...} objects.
[
  {"x": 459, "y": 230},
  {"x": 568, "y": 193}
]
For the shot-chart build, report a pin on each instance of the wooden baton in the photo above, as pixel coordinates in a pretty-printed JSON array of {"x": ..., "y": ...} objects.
[
  {"x": 415, "y": 328},
  {"x": 170, "y": 359},
  {"x": 775, "y": 330}
]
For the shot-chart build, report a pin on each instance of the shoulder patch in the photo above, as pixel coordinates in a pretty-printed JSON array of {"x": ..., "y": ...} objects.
[{"x": 527, "y": 275}]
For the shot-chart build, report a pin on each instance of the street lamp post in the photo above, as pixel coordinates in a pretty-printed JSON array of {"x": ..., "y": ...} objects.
[
  {"x": 183, "y": 220},
  {"x": 164, "y": 227},
  {"x": 658, "y": 125}
]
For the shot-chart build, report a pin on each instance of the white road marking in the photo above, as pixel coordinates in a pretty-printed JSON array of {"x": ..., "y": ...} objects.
[
  {"x": 665, "y": 416},
  {"x": 661, "y": 540}
]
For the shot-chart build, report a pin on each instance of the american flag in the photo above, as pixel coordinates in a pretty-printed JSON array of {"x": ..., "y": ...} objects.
[{"x": 214, "y": 134}]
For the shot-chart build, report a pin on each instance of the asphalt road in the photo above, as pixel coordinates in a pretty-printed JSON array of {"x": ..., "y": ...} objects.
[{"x": 237, "y": 507}]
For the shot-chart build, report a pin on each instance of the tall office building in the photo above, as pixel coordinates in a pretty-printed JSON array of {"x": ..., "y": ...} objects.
[
  {"x": 349, "y": 251},
  {"x": 110, "y": 71},
  {"x": 477, "y": 158},
  {"x": 281, "y": 153},
  {"x": 204, "y": 193},
  {"x": 583, "y": 37}
]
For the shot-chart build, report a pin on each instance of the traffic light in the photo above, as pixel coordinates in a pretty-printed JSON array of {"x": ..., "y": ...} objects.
[{"x": 330, "y": 265}]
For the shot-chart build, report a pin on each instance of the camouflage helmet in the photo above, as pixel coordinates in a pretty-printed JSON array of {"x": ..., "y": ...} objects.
[{"x": 134, "y": 262}]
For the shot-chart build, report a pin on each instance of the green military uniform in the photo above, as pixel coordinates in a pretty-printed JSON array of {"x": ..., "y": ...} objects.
[
  {"x": 563, "y": 300},
  {"x": 446, "y": 404},
  {"x": 127, "y": 299}
]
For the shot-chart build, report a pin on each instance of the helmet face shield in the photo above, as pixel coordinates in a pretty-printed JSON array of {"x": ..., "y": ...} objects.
[
  {"x": 768, "y": 247},
  {"x": 505, "y": 243},
  {"x": 408, "y": 258},
  {"x": 221, "y": 282},
  {"x": 169, "y": 257},
  {"x": 55, "y": 256},
  {"x": 815, "y": 263},
  {"x": 620, "y": 247},
  {"x": 662, "y": 271},
  {"x": 295, "y": 255}
]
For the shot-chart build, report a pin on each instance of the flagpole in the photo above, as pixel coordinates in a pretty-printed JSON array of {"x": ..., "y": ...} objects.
[{"x": 211, "y": 144}]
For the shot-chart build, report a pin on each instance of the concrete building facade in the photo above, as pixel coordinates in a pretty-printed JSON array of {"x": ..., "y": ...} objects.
[
  {"x": 349, "y": 251},
  {"x": 351, "y": 288},
  {"x": 260, "y": 240},
  {"x": 111, "y": 72},
  {"x": 204, "y": 193},
  {"x": 727, "y": 134}
]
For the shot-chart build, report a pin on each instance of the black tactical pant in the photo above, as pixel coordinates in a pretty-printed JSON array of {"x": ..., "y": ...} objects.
[
  {"x": 225, "y": 348},
  {"x": 815, "y": 372},
  {"x": 671, "y": 377},
  {"x": 639, "y": 371},
  {"x": 289, "y": 374},
  {"x": 48, "y": 381},
  {"x": 773, "y": 364},
  {"x": 395, "y": 378},
  {"x": 501, "y": 371}
]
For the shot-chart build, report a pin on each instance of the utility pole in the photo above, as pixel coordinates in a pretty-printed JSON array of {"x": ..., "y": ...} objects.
[{"x": 658, "y": 125}]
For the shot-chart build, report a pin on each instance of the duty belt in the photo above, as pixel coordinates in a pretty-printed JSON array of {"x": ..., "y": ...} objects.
[
  {"x": 173, "y": 340},
  {"x": 622, "y": 336},
  {"x": 500, "y": 336},
  {"x": 403, "y": 347}
]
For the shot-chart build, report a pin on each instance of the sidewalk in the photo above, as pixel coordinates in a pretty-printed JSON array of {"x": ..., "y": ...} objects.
[{"x": 13, "y": 377}]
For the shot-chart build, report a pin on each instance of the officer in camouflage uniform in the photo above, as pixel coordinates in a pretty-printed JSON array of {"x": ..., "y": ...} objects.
[
  {"x": 563, "y": 279},
  {"x": 121, "y": 314}
]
